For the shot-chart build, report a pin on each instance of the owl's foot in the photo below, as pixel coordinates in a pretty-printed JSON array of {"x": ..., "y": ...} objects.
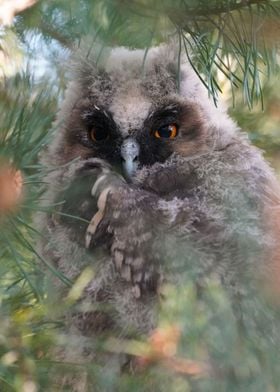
[
  {"x": 105, "y": 184},
  {"x": 130, "y": 226},
  {"x": 98, "y": 217}
]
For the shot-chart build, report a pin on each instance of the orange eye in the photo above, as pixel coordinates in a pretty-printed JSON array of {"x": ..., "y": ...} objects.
[
  {"x": 167, "y": 132},
  {"x": 98, "y": 135}
]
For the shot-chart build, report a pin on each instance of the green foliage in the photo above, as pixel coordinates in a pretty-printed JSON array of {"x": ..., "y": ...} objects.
[
  {"x": 26, "y": 115},
  {"x": 235, "y": 38},
  {"x": 263, "y": 125},
  {"x": 233, "y": 45},
  {"x": 243, "y": 352}
]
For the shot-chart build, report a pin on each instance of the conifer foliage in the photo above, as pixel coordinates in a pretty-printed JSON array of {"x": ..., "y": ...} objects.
[{"x": 199, "y": 346}]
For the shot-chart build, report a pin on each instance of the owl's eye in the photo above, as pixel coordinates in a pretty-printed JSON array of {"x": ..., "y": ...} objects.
[
  {"x": 167, "y": 132},
  {"x": 98, "y": 135}
]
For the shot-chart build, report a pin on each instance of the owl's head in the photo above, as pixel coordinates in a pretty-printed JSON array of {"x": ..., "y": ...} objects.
[{"x": 134, "y": 109}]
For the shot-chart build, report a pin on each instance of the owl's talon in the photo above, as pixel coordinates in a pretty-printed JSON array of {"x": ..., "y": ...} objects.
[
  {"x": 97, "y": 183},
  {"x": 107, "y": 179},
  {"x": 91, "y": 230},
  {"x": 98, "y": 217},
  {"x": 88, "y": 240}
]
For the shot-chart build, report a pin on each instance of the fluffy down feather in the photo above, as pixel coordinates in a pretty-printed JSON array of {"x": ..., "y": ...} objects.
[{"x": 203, "y": 203}]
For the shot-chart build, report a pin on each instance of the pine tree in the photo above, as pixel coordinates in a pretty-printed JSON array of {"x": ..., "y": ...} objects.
[{"x": 233, "y": 46}]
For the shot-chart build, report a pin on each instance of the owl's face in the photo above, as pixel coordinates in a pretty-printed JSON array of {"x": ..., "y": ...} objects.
[{"x": 131, "y": 119}]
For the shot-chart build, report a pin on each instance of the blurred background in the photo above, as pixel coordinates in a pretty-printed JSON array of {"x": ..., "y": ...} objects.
[{"x": 234, "y": 46}]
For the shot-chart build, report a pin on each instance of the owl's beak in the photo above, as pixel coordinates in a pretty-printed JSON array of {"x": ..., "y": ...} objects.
[{"x": 130, "y": 156}]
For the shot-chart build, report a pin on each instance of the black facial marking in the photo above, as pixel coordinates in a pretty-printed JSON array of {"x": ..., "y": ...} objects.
[
  {"x": 99, "y": 120},
  {"x": 101, "y": 134},
  {"x": 165, "y": 115},
  {"x": 153, "y": 149},
  {"x": 95, "y": 129}
]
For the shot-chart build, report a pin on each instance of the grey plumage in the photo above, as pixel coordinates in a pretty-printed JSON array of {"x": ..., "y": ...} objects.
[{"x": 204, "y": 200}]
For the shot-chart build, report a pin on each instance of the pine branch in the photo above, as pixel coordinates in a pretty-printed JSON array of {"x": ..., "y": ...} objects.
[
  {"x": 194, "y": 13},
  {"x": 244, "y": 34}
]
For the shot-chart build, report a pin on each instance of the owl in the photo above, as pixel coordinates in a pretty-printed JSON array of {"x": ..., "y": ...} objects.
[{"x": 150, "y": 182}]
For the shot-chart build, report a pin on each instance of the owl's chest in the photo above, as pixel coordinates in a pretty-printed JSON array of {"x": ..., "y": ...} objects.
[{"x": 170, "y": 182}]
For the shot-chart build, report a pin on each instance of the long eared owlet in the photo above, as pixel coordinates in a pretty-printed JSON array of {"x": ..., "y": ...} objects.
[{"x": 151, "y": 182}]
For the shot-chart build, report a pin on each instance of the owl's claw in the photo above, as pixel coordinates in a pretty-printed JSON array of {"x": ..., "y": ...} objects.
[
  {"x": 98, "y": 182},
  {"x": 106, "y": 183},
  {"x": 93, "y": 227},
  {"x": 98, "y": 217},
  {"x": 106, "y": 180}
]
